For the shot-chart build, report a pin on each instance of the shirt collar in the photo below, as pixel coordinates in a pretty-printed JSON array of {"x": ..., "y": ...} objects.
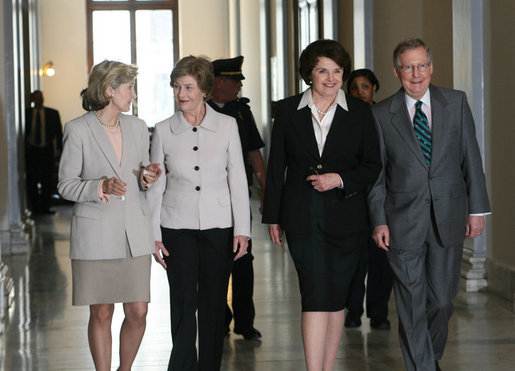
[
  {"x": 307, "y": 100},
  {"x": 180, "y": 125},
  {"x": 426, "y": 99}
]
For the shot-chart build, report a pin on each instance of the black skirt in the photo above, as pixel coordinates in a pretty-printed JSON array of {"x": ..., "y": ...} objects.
[{"x": 325, "y": 266}]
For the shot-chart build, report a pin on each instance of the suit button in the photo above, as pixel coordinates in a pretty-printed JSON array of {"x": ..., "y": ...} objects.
[
  {"x": 195, "y": 148},
  {"x": 319, "y": 166},
  {"x": 194, "y": 130},
  {"x": 196, "y": 168},
  {"x": 197, "y": 188},
  {"x": 426, "y": 201}
]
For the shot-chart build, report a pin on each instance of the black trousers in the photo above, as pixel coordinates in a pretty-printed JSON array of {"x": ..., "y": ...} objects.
[
  {"x": 379, "y": 283},
  {"x": 39, "y": 164},
  {"x": 242, "y": 292},
  {"x": 199, "y": 265}
]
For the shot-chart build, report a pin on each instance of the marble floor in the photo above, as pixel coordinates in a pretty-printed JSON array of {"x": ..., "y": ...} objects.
[{"x": 45, "y": 332}]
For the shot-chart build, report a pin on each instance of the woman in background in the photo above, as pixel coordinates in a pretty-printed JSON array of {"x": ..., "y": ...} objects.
[
  {"x": 200, "y": 214},
  {"x": 105, "y": 170},
  {"x": 363, "y": 84},
  {"x": 323, "y": 156}
]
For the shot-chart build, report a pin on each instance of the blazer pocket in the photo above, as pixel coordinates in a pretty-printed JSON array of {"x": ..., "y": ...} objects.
[
  {"x": 224, "y": 200},
  {"x": 87, "y": 212}
]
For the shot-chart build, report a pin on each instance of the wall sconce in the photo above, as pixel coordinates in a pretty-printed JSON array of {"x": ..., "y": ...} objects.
[{"x": 48, "y": 69}]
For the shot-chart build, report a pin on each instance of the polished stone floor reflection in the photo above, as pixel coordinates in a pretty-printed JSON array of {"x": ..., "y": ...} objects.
[{"x": 45, "y": 332}]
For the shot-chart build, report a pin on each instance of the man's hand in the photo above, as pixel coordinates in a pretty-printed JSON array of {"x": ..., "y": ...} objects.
[
  {"x": 381, "y": 236},
  {"x": 475, "y": 226},
  {"x": 276, "y": 233}
]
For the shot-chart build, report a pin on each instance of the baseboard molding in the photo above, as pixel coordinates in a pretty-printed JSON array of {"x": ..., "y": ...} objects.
[{"x": 501, "y": 280}]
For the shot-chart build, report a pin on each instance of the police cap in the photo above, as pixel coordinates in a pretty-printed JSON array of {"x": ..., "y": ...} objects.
[{"x": 230, "y": 67}]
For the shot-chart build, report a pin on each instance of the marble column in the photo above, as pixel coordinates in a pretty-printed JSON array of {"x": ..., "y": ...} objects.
[
  {"x": 469, "y": 70},
  {"x": 13, "y": 235}
]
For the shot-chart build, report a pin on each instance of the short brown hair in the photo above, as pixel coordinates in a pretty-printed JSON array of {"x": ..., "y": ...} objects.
[
  {"x": 200, "y": 68},
  {"x": 103, "y": 75},
  {"x": 323, "y": 48},
  {"x": 409, "y": 44}
]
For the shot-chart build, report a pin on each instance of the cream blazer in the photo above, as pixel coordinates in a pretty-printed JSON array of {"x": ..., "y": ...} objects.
[
  {"x": 101, "y": 230},
  {"x": 205, "y": 185}
]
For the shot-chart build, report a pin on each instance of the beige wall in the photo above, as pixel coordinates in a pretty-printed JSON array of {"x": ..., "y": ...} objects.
[
  {"x": 346, "y": 27},
  {"x": 500, "y": 79},
  {"x": 395, "y": 20},
  {"x": 63, "y": 41},
  {"x": 204, "y": 28},
  {"x": 253, "y": 70}
]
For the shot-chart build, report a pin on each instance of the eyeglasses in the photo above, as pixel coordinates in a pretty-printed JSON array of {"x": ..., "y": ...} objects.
[{"x": 422, "y": 67}]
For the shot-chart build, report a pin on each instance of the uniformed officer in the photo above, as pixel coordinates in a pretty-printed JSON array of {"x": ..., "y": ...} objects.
[{"x": 225, "y": 99}]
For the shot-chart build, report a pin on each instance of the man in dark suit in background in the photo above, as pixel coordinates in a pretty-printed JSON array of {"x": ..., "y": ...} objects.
[
  {"x": 43, "y": 145},
  {"x": 225, "y": 99},
  {"x": 432, "y": 177}
]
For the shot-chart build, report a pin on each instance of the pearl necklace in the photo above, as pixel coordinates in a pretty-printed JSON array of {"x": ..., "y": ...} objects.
[
  {"x": 106, "y": 125},
  {"x": 320, "y": 112}
]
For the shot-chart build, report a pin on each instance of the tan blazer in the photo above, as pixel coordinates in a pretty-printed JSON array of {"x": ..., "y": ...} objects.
[
  {"x": 100, "y": 230},
  {"x": 205, "y": 185}
]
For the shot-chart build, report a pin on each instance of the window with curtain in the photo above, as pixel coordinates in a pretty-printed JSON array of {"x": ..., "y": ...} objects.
[{"x": 144, "y": 33}]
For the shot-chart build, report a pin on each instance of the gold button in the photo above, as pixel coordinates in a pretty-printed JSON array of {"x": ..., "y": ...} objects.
[{"x": 319, "y": 166}]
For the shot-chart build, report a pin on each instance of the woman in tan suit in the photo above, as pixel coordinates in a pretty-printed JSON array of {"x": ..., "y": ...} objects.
[
  {"x": 105, "y": 169},
  {"x": 200, "y": 214}
]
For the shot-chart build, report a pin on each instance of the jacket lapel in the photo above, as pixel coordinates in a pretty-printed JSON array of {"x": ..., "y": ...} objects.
[
  {"x": 103, "y": 142},
  {"x": 336, "y": 132},
  {"x": 125, "y": 127},
  {"x": 303, "y": 125},
  {"x": 440, "y": 116},
  {"x": 404, "y": 126}
]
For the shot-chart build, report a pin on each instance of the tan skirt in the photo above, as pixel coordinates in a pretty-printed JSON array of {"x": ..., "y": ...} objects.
[{"x": 112, "y": 280}]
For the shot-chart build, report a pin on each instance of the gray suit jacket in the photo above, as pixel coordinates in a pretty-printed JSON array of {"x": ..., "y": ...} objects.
[
  {"x": 101, "y": 230},
  {"x": 205, "y": 185},
  {"x": 406, "y": 188}
]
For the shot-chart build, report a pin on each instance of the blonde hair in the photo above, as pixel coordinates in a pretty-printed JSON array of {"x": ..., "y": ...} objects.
[
  {"x": 103, "y": 75},
  {"x": 200, "y": 68}
]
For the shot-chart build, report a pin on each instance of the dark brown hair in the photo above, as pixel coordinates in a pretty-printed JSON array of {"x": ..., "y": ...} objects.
[{"x": 323, "y": 48}]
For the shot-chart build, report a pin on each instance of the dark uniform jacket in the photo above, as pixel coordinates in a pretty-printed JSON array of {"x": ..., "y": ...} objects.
[{"x": 249, "y": 134}]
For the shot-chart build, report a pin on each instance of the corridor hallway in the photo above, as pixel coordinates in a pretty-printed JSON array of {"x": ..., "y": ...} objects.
[{"x": 44, "y": 331}]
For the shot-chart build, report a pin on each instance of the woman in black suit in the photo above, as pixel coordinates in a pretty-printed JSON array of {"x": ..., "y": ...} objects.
[{"x": 324, "y": 154}]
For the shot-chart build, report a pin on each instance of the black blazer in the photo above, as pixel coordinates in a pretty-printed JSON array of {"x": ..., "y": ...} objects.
[
  {"x": 351, "y": 150},
  {"x": 53, "y": 127}
]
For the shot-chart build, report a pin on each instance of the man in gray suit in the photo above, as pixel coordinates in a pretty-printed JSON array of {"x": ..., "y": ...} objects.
[{"x": 432, "y": 178}]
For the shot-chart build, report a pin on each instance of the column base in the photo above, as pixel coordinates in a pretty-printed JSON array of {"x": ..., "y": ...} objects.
[
  {"x": 6, "y": 295},
  {"x": 473, "y": 272},
  {"x": 15, "y": 241}
]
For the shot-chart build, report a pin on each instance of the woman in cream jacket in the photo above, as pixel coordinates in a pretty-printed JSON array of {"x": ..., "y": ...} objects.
[
  {"x": 200, "y": 214},
  {"x": 105, "y": 170}
]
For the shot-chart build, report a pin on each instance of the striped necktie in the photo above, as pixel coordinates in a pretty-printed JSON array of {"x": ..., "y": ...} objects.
[{"x": 422, "y": 132}]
